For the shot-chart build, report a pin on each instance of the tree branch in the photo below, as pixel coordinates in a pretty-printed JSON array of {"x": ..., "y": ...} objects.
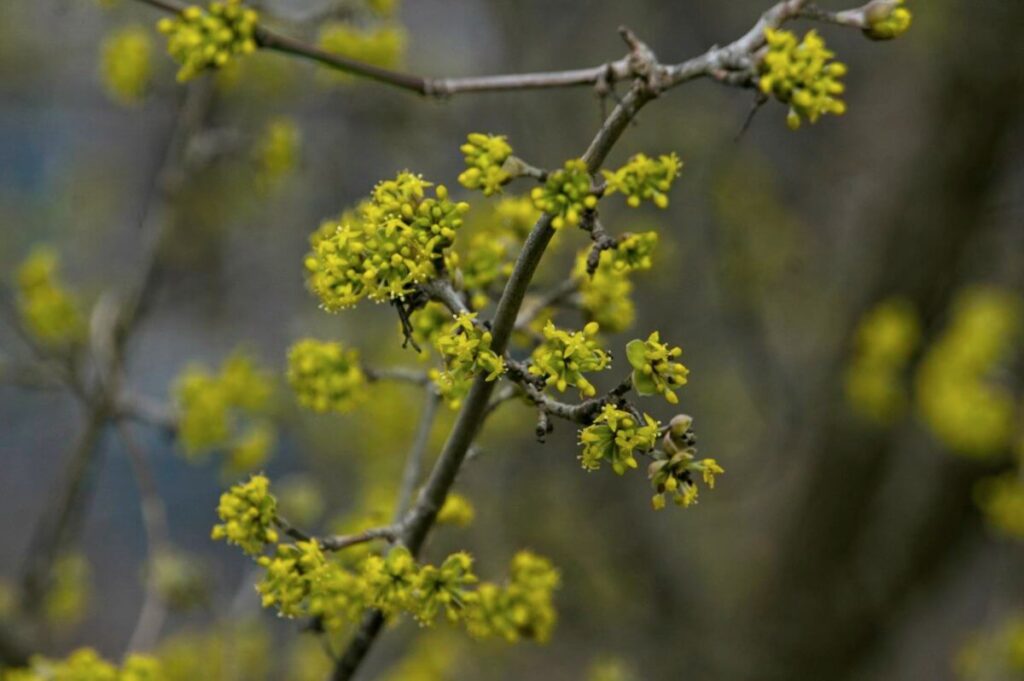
[
  {"x": 653, "y": 79},
  {"x": 719, "y": 63},
  {"x": 154, "y": 519}
]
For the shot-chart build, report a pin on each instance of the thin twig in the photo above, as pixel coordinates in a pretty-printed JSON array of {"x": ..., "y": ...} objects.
[
  {"x": 154, "y": 519},
  {"x": 337, "y": 542},
  {"x": 63, "y": 512}
]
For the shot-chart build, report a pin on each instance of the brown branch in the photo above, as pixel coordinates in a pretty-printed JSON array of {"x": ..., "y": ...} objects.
[
  {"x": 581, "y": 413},
  {"x": 337, "y": 542},
  {"x": 62, "y": 513},
  {"x": 639, "y": 63},
  {"x": 603, "y": 241}
]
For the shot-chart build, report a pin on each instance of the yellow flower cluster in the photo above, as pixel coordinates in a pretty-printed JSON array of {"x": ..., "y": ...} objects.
[
  {"x": 247, "y": 512},
  {"x": 67, "y": 598},
  {"x": 485, "y": 160},
  {"x": 201, "y": 39},
  {"x": 522, "y": 608},
  {"x": 610, "y": 669},
  {"x": 48, "y": 310},
  {"x": 382, "y": 45},
  {"x": 466, "y": 351},
  {"x": 565, "y": 356},
  {"x": 996, "y": 654},
  {"x": 1001, "y": 499},
  {"x": 126, "y": 64},
  {"x": 515, "y": 215},
  {"x": 301, "y": 581},
  {"x": 801, "y": 73},
  {"x": 227, "y": 651},
  {"x": 85, "y": 664},
  {"x": 383, "y": 8},
  {"x": 428, "y": 324},
  {"x": 299, "y": 498},
  {"x": 443, "y": 589},
  {"x": 179, "y": 579},
  {"x": 885, "y": 340},
  {"x": 457, "y": 510},
  {"x": 887, "y": 20},
  {"x": 633, "y": 252},
  {"x": 276, "y": 153},
  {"x": 291, "y": 575},
  {"x": 956, "y": 397},
  {"x": 645, "y": 179},
  {"x": 395, "y": 242},
  {"x": 225, "y": 410},
  {"x": 654, "y": 370},
  {"x": 432, "y": 656},
  {"x": 606, "y": 295},
  {"x": 676, "y": 464},
  {"x": 325, "y": 376},
  {"x": 496, "y": 236},
  {"x": 614, "y": 436},
  {"x": 488, "y": 258},
  {"x": 566, "y": 194}
]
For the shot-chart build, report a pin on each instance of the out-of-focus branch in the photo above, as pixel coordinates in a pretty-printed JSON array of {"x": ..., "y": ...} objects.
[
  {"x": 111, "y": 328},
  {"x": 154, "y": 520},
  {"x": 62, "y": 512},
  {"x": 533, "y": 307},
  {"x": 414, "y": 460}
]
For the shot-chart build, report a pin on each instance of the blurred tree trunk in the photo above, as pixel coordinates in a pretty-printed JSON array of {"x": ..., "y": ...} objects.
[{"x": 844, "y": 559}]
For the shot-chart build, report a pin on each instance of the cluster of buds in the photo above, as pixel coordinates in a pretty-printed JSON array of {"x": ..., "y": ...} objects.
[
  {"x": 485, "y": 160},
  {"x": 396, "y": 240},
  {"x": 247, "y": 512},
  {"x": 466, "y": 350},
  {"x": 566, "y": 194},
  {"x": 125, "y": 64},
  {"x": 675, "y": 464},
  {"x": 654, "y": 368},
  {"x": 801, "y": 73},
  {"x": 645, "y": 179},
  {"x": 201, "y": 39},
  {"x": 615, "y": 436},
  {"x": 325, "y": 376},
  {"x": 887, "y": 19},
  {"x": 564, "y": 356}
]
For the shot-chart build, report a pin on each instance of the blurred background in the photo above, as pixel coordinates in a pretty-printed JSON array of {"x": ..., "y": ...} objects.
[{"x": 847, "y": 298}]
